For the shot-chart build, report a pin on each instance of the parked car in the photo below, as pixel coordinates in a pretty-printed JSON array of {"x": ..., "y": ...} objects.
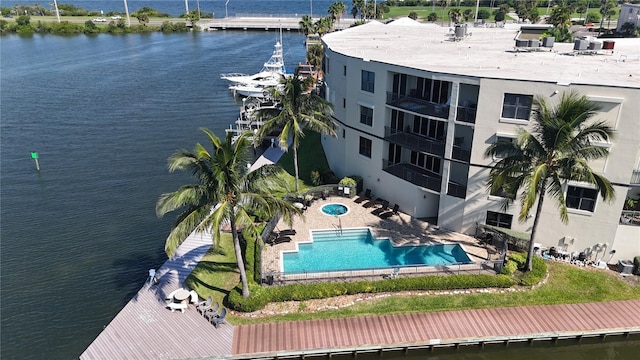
[
  {"x": 116, "y": 17},
  {"x": 99, "y": 19}
]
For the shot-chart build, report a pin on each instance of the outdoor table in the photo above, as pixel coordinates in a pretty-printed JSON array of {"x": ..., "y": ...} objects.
[{"x": 181, "y": 295}]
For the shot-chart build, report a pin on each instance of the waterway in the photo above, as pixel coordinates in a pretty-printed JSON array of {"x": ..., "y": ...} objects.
[{"x": 104, "y": 113}]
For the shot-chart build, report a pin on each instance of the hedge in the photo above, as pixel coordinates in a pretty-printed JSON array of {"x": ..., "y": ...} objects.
[{"x": 261, "y": 296}]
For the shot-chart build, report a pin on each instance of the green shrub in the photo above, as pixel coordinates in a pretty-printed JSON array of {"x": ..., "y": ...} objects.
[
  {"x": 519, "y": 258},
  {"x": 348, "y": 182},
  {"x": 315, "y": 178},
  {"x": 484, "y": 14},
  {"x": 300, "y": 292},
  {"x": 636, "y": 265},
  {"x": 510, "y": 267},
  {"x": 537, "y": 273}
]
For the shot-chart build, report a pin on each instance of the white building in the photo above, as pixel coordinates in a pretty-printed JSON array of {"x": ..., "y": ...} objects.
[
  {"x": 629, "y": 13},
  {"x": 418, "y": 105}
]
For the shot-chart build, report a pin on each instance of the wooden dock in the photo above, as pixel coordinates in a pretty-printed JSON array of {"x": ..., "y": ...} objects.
[
  {"x": 146, "y": 329},
  {"x": 437, "y": 329},
  {"x": 263, "y": 23}
]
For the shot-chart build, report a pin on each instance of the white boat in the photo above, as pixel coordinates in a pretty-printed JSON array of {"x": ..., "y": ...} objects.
[
  {"x": 247, "y": 120},
  {"x": 254, "y": 85}
]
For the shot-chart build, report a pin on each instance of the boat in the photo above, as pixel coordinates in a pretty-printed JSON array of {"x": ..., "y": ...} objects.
[
  {"x": 255, "y": 85},
  {"x": 248, "y": 120}
]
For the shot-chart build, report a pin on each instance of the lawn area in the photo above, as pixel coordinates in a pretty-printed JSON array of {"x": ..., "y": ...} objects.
[
  {"x": 566, "y": 284},
  {"x": 310, "y": 157}
]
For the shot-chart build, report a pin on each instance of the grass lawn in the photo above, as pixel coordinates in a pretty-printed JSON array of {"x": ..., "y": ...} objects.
[{"x": 310, "y": 157}]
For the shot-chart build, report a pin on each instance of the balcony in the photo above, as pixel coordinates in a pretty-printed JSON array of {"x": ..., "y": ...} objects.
[
  {"x": 466, "y": 114},
  {"x": 457, "y": 190},
  {"x": 418, "y": 105},
  {"x": 635, "y": 177},
  {"x": 413, "y": 141},
  {"x": 413, "y": 174},
  {"x": 461, "y": 153}
]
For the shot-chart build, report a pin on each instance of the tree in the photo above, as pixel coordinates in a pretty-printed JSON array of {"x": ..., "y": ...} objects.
[
  {"x": 629, "y": 29},
  {"x": 143, "y": 18},
  {"x": 455, "y": 15},
  {"x": 315, "y": 54},
  {"x": 358, "y": 9},
  {"x": 433, "y": 17},
  {"x": 557, "y": 150},
  {"x": 224, "y": 192},
  {"x": 324, "y": 25},
  {"x": 337, "y": 9},
  {"x": 300, "y": 110},
  {"x": 193, "y": 17},
  {"x": 413, "y": 15},
  {"x": 306, "y": 25},
  {"x": 560, "y": 16},
  {"x": 484, "y": 14}
]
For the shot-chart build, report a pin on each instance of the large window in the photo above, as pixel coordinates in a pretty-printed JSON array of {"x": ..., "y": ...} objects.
[
  {"x": 505, "y": 191},
  {"x": 581, "y": 198},
  {"x": 368, "y": 81},
  {"x": 517, "y": 106},
  {"x": 499, "y": 219},
  {"x": 425, "y": 161},
  {"x": 365, "y": 147},
  {"x": 429, "y": 127},
  {"x": 366, "y": 115}
]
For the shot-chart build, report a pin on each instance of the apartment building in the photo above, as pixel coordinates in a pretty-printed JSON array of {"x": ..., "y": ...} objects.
[{"x": 418, "y": 104}]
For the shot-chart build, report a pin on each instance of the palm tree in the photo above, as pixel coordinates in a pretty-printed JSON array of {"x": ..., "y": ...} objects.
[
  {"x": 306, "y": 25},
  {"x": 557, "y": 150},
  {"x": 455, "y": 15},
  {"x": 337, "y": 9},
  {"x": 300, "y": 109},
  {"x": 224, "y": 192},
  {"x": 315, "y": 54},
  {"x": 324, "y": 25}
]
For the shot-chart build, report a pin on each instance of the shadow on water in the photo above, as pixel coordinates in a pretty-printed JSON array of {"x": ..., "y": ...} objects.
[{"x": 134, "y": 263}]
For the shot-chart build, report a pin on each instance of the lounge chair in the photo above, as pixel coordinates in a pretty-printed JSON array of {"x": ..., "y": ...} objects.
[
  {"x": 362, "y": 198},
  {"x": 204, "y": 305},
  {"x": 280, "y": 240},
  {"x": 220, "y": 318},
  {"x": 212, "y": 312},
  {"x": 287, "y": 232}
]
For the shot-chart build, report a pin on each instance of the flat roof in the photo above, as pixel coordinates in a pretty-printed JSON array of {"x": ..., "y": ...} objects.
[{"x": 487, "y": 53}]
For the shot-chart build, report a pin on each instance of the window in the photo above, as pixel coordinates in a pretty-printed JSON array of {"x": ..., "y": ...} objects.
[
  {"x": 344, "y": 103},
  {"x": 505, "y": 191},
  {"x": 517, "y": 106},
  {"x": 428, "y": 127},
  {"x": 344, "y": 133},
  {"x": 425, "y": 161},
  {"x": 368, "y": 81},
  {"x": 499, "y": 219},
  {"x": 504, "y": 139},
  {"x": 365, "y": 147},
  {"x": 581, "y": 198},
  {"x": 344, "y": 70},
  {"x": 366, "y": 115}
]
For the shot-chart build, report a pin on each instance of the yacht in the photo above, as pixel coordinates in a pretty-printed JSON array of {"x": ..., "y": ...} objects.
[{"x": 248, "y": 120}]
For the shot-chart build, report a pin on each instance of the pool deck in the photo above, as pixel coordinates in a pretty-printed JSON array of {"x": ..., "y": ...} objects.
[{"x": 401, "y": 229}]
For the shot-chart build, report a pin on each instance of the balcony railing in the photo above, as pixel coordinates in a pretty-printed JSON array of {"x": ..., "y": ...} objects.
[
  {"x": 457, "y": 190},
  {"x": 635, "y": 177},
  {"x": 413, "y": 141},
  {"x": 630, "y": 218},
  {"x": 466, "y": 114},
  {"x": 413, "y": 174},
  {"x": 418, "y": 105},
  {"x": 461, "y": 153}
]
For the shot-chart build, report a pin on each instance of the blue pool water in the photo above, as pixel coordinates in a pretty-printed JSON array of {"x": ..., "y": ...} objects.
[
  {"x": 358, "y": 249},
  {"x": 335, "y": 209}
]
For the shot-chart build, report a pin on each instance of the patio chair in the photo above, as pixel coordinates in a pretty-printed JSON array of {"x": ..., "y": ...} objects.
[
  {"x": 177, "y": 306},
  {"x": 280, "y": 240},
  {"x": 194, "y": 296},
  {"x": 204, "y": 305},
  {"x": 287, "y": 232},
  {"x": 212, "y": 312},
  {"x": 220, "y": 319},
  {"x": 362, "y": 198}
]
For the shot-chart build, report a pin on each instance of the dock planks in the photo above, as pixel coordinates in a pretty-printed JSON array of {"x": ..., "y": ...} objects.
[{"x": 462, "y": 326}]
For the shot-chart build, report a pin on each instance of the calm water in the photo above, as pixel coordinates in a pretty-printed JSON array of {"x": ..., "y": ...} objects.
[
  {"x": 177, "y": 7},
  {"x": 104, "y": 113},
  {"x": 358, "y": 249}
]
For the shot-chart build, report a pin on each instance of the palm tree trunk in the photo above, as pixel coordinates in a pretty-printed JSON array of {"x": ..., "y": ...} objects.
[
  {"x": 529, "y": 265},
  {"x": 239, "y": 259},
  {"x": 295, "y": 166}
]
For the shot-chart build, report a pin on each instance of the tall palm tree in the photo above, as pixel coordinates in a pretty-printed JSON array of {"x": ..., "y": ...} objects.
[
  {"x": 224, "y": 192},
  {"x": 337, "y": 9},
  {"x": 306, "y": 25},
  {"x": 300, "y": 109},
  {"x": 455, "y": 15},
  {"x": 557, "y": 150}
]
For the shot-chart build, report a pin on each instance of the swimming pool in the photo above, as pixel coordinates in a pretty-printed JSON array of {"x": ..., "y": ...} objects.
[{"x": 358, "y": 249}]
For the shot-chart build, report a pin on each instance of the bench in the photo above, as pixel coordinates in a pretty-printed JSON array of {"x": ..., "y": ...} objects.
[{"x": 177, "y": 306}]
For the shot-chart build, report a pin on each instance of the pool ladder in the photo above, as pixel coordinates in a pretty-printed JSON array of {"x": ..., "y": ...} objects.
[{"x": 338, "y": 226}]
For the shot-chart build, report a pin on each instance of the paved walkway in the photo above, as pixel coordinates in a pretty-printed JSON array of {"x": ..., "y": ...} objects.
[{"x": 436, "y": 328}]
